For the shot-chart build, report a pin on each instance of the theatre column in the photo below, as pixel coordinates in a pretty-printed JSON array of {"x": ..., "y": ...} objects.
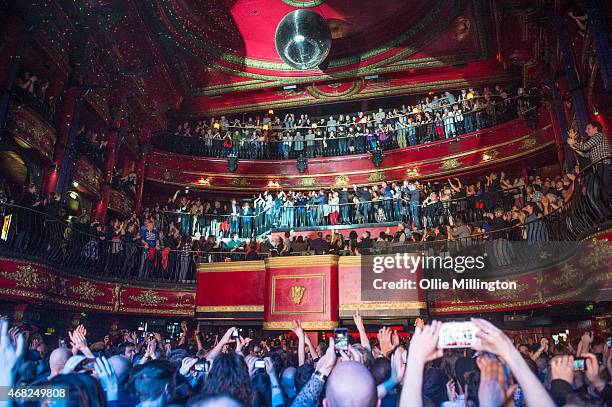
[
  {"x": 113, "y": 138},
  {"x": 575, "y": 87},
  {"x": 67, "y": 113},
  {"x": 141, "y": 169}
]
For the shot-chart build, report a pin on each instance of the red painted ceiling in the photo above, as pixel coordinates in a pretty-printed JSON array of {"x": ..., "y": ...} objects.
[{"x": 190, "y": 57}]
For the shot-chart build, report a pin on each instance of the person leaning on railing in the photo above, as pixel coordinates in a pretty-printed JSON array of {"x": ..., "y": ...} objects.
[{"x": 598, "y": 149}]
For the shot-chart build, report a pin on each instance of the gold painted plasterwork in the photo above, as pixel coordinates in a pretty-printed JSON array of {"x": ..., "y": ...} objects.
[
  {"x": 302, "y": 261},
  {"x": 254, "y": 265},
  {"x": 308, "y": 325},
  {"x": 230, "y": 308},
  {"x": 383, "y": 305}
]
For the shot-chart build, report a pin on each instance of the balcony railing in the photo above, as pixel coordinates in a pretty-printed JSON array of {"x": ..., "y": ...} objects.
[
  {"x": 40, "y": 106},
  {"x": 87, "y": 249},
  {"x": 357, "y": 138}
]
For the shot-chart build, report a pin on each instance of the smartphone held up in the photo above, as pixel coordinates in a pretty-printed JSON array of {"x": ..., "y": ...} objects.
[{"x": 458, "y": 335}]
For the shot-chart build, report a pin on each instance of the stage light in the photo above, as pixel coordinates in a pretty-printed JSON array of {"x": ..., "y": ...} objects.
[
  {"x": 270, "y": 111},
  {"x": 314, "y": 126},
  {"x": 73, "y": 195},
  {"x": 264, "y": 127},
  {"x": 216, "y": 125},
  {"x": 470, "y": 96},
  {"x": 75, "y": 184}
]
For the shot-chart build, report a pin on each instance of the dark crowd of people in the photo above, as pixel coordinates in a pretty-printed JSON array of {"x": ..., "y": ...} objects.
[
  {"x": 435, "y": 117},
  {"x": 167, "y": 242},
  {"x": 238, "y": 368}
]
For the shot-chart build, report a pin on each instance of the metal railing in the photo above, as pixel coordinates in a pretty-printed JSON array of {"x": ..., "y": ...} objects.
[
  {"x": 349, "y": 138},
  {"x": 39, "y": 105},
  {"x": 89, "y": 250}
]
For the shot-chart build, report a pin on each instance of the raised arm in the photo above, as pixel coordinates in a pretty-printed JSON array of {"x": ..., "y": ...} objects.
[
  {"x": 423, "y": 348},
  {"x": 363, "y": 337},
  {"x": 219, "y": 346},
  {"x": 493, "y": 340},
  {"x": 299, "y": 332}
]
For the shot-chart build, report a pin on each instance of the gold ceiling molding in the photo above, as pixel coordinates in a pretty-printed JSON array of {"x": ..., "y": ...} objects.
[
  {"x": 450, "y": 164},
  {"x": 367, "y": 92}
]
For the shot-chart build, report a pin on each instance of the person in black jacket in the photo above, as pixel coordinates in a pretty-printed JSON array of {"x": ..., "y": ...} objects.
[{"x": 26, "y": 221}]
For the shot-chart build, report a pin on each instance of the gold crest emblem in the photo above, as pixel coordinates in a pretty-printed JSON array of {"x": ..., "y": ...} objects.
[{"x": 297, "y": 293}]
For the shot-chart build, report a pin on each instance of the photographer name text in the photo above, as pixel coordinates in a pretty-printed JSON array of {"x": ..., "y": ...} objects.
[{"x": 439, "y": 284}]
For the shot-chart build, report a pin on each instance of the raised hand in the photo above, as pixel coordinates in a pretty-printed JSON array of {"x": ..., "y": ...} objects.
[
  {"x": 492, "y": 339},
  {"x": 451, "y": 390},
  {"x": 386, "y": 344},
  {"x": 358, "y": 320},
  {"x": 493, "y": 390},
  {"x": 77, "y": 339},
  {"x": 186, "y": 365},
  {"x": 297, "y": 329},
  {"x": 423, "y": 345},
  {"x": 419, "y": 323},
  {"x": 562, "y": 368},
  {"x": 11, "y": 354},
  {"x": 240, "y": 343},
  {"x": 107, "y": 377},
  {"x": 592, "y": 372},
  {"x": 327, "y": 362}
]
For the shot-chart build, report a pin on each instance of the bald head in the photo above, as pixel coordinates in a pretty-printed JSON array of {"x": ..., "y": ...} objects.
[
  {"x": 350, "y": 384},
  {"x": 58, "y": 359}
]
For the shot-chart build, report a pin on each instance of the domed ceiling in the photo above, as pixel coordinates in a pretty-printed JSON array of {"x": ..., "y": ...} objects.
[{"x": 200, "y": 57}]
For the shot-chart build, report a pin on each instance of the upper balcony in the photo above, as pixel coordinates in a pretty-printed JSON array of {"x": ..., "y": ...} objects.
[{"x": 500, "y": 144}]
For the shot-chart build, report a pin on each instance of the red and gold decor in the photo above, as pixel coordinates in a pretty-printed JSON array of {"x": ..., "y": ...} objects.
[
  {"x": 231, "y": 290},
  {"x": 349, "y": 280},
  {"x": 507, "y": 143},
  {"x": 32, "y": 282},
  {"x": 87, "y": 175},
  {"x": 31, "y": 131},
  {"x": 303, "y": 288},
  {"x": 120, "y": 201}
]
